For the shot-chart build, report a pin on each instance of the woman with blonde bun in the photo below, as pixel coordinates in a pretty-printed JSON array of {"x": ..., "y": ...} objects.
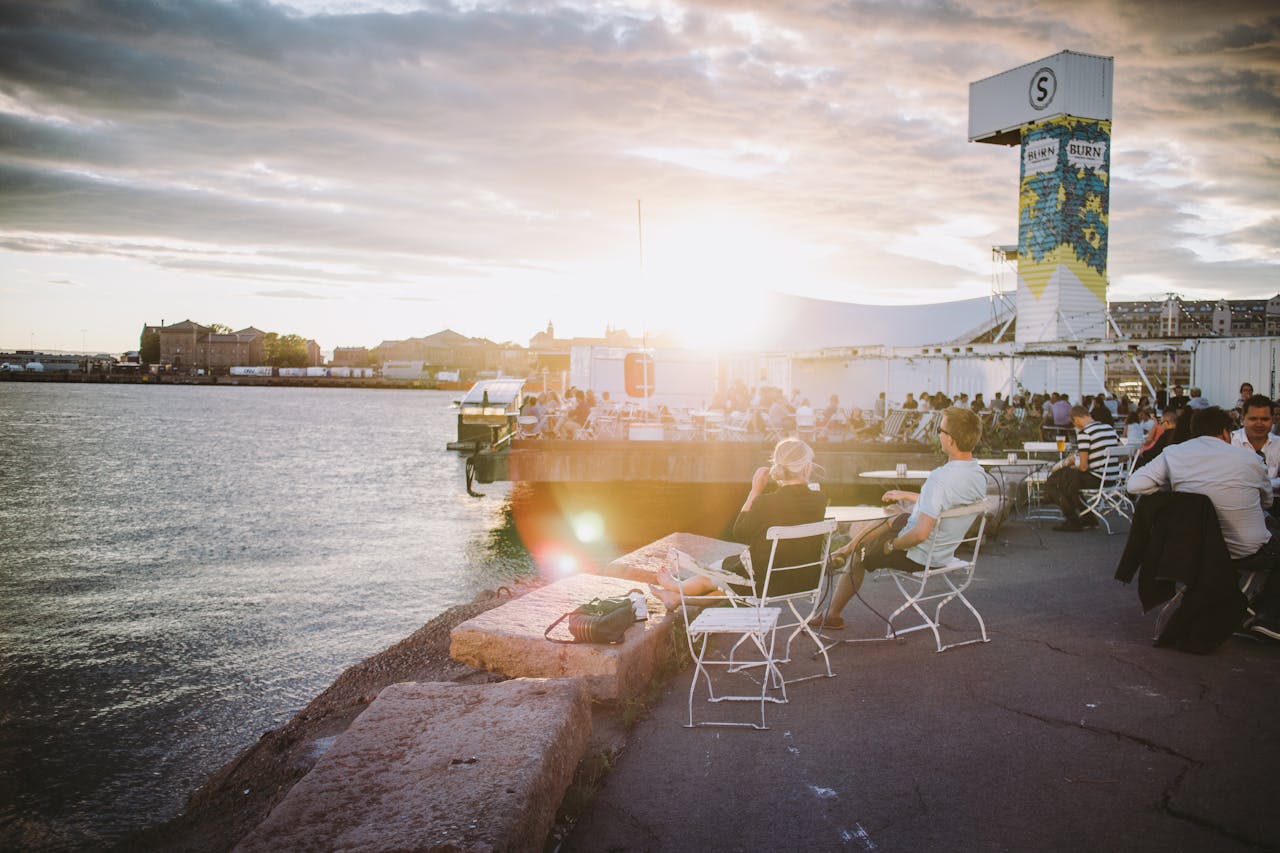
[{"x": 790, "y": 501}]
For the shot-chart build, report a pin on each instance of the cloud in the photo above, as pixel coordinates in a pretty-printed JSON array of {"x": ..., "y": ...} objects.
[
  {"x": 455, "y": 146},
  {"x": 289, "y": 294}
]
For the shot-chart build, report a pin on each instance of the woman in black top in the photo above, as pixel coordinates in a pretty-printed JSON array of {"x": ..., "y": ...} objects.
[{"x": 791, "y": 502}]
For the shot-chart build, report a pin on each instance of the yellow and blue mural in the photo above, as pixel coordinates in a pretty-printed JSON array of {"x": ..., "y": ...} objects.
[{"x": 1063, "y": 204}]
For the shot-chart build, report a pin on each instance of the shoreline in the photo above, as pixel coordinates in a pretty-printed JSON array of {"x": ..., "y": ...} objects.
[{"x": 239, "y": 795}]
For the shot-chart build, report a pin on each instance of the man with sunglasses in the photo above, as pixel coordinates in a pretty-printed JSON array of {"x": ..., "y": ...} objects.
[{"x": 906, "y": 544}]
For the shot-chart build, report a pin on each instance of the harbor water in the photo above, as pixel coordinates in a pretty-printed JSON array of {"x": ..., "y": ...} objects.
[{"x": 183, "y": 568}]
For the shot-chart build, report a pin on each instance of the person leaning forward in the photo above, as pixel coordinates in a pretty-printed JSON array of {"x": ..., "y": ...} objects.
[
  {"x": 910, "y": 539},
  {"x": 1082, "y": 471},
  {"x": 1235, "y": 480}
]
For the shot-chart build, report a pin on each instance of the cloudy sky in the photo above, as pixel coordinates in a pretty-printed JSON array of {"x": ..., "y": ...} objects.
[{"x": 354, "y": 171}]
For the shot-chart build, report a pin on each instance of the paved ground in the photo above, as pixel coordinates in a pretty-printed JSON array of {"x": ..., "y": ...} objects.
[{"x": 1068, "y": 731}]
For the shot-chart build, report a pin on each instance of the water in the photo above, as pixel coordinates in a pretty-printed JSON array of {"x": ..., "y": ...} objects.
[{"x": 182, "y": 568}]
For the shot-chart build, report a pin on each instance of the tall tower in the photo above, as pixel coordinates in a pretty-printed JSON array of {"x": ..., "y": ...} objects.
[{"x": 1058, "y": 109}]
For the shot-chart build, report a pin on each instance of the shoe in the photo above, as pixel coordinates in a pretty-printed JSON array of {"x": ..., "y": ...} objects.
[
  {"x": 1266, "y": 626},
  {"x": 830, "y": 623},
  {"x": 1089, "y": 520},
  {"x": 1069, "y": 527}
]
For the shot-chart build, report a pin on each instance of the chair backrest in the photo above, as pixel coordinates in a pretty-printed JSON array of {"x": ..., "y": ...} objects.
[
  {"x": 893, "y": 423},
  {"x": 785, "y": 574},
  {"x": 974, "y": 537},
  {"x": 527, "y": 426},
  {"x": 1124, "y": 456}
]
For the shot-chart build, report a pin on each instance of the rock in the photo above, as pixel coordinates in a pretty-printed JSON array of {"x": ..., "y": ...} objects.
[
  {"x": 643, "y": 563},
  {"x": 439, "y": 766},
  {"x": 509, "y": 639}
]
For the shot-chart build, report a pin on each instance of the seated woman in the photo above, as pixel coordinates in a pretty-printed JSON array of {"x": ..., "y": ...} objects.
[{"x": 792, "y": 502}]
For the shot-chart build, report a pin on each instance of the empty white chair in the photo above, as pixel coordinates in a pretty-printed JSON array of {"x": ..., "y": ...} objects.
[{"x": 746, "y": 624}]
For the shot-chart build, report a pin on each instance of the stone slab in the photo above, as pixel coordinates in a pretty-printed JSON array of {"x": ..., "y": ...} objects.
[
  {"x": 643, "y": 563},
  {"x": 439, "y": 767},
  {"x": 509, "y": 639}
]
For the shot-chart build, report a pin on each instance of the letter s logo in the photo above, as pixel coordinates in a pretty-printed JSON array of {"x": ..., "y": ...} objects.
[{"x": 1044, "y": 85}]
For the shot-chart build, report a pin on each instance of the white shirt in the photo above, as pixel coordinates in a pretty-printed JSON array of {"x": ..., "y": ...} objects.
[
  {"x": 1233, "y": 478},
  {"x": 1271, "y": 450},
  {"x": 958, "y": 483}
]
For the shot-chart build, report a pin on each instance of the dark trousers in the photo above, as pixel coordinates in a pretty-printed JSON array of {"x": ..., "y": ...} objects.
[
  {"x": 1063, "y": 489},
  {"x": 1266, "y": 559}
]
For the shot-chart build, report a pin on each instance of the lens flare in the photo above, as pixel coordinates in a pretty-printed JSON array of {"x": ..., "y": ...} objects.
[{"x": 588, "y": 526}]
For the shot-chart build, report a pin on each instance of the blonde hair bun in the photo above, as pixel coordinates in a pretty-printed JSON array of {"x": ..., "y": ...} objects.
[{"x": 792, "y": 460}]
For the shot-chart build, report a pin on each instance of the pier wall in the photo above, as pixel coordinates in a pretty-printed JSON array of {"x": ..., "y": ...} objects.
[{"x": 549, "y": 461}]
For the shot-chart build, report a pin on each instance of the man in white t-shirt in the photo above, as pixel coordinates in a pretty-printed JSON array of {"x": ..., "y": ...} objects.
[
  {"x": 960, "y": 482},
  {"x": 1236, "y": 481}
]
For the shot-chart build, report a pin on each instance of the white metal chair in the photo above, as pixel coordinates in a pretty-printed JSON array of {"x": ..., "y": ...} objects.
[
  {"x": 942, "y": 582},
  {"x": 803, "y": 603},
  {"x": 1111, "y": 496},
  {"x": 527, "y": 427},
  {"x": 759, "y": 625},
  {"x": 755, "y": 618},
  {"x": 806, "y": 426}
]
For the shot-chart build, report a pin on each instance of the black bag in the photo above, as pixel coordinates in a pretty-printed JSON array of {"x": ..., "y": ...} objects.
[{"x": 600, "y": 620}]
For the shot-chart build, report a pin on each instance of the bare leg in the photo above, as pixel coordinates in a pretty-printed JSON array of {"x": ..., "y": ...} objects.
[{"x": 847, "y": 586}]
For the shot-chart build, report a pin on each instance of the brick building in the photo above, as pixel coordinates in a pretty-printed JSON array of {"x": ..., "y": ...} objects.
[{"x": 1179, "y": 318}]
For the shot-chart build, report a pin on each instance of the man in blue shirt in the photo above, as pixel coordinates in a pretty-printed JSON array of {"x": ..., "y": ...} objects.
[{"x": 960, "y": 482}]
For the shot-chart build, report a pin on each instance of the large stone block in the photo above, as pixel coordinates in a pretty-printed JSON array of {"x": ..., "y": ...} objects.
[
  {"x": 509, "y": 639},
  {"x": 439, "y": 767},
  {"x": 643, "y": 563}
]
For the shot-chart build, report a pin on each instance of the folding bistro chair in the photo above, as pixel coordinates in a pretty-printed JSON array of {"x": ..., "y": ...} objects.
[
  {"x": 758, "y": 625},
  {"x": 941, "y": 582},
  {"x": 755, "y": 619},
  {"x": 802, "y": 604},
  {"x": 527, "y": 427},
  {"x": 892, "y": 424},
  {"x": 1111, "y": 495}
]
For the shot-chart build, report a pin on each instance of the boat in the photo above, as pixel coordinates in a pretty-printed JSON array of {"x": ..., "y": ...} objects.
[{"x": 487, "y": 414}]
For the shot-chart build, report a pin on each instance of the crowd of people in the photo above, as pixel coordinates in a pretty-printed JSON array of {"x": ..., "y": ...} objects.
[{"x": 1231, "y": 456}]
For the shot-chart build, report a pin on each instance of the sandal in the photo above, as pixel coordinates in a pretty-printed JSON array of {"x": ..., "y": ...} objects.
[{"x": 828, "y": 623}]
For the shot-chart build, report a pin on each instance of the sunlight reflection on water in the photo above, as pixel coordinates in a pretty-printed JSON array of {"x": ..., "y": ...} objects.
[{"x": 184, "y": 567}]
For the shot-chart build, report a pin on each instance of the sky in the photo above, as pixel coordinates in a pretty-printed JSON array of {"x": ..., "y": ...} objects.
[{"x": 360, "y": 171}]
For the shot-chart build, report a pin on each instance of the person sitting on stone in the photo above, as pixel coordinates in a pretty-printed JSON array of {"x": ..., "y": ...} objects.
[
  {"x": 780, "y": 495},
  {"x": 1236, "y": 481},
  {"x": 1085, "y": 470},
  {"x": 910, "y": 539}
]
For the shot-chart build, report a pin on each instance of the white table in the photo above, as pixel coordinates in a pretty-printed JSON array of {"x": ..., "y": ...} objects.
[
  {"x": 912, "y": 474},
  {"x": 846, "y": 514}
]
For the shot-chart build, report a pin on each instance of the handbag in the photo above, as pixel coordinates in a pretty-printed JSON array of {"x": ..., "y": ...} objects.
[{"x": 600, "y": 620}]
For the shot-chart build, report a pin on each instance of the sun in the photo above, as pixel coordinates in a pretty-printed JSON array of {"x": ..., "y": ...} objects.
[{"x": 705, "y": 280}]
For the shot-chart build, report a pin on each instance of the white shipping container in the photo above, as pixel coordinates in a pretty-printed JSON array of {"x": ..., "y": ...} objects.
[
  {"x": 1067, "y": 83},
  {"x": 293, "y": 371},
  {"x": 317, "y": 371},
  {"x": 240, "y": 370},
  {"x": 340, "y": 372},
  {"x": 1219, "y": 365}
]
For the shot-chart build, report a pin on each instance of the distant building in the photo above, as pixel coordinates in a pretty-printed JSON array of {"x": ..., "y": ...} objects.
[
  {"x": 1180, "y": 319},
  {"x": 351, "y": 357},
  {"x": 189, "y": 346},
  {"x": 450, "y": 351}
]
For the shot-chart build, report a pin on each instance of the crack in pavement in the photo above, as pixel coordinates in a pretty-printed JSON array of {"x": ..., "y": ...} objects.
[
  {"x": 1068, "y": 724},
  {"x": 1165, "y": 805}
]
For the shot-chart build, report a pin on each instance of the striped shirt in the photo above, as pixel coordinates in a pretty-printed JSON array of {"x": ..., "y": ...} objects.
[{"x": 1095, "y": 438}]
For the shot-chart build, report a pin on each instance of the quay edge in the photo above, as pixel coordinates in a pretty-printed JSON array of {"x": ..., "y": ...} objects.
[{"x": 567, "y": 461}]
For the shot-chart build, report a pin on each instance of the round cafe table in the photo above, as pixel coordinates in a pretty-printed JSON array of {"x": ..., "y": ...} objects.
[
  {"x": 912, "y": 474},
  {"x": 862, "y": 519},
  {"x": 846, "y": 514}
]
